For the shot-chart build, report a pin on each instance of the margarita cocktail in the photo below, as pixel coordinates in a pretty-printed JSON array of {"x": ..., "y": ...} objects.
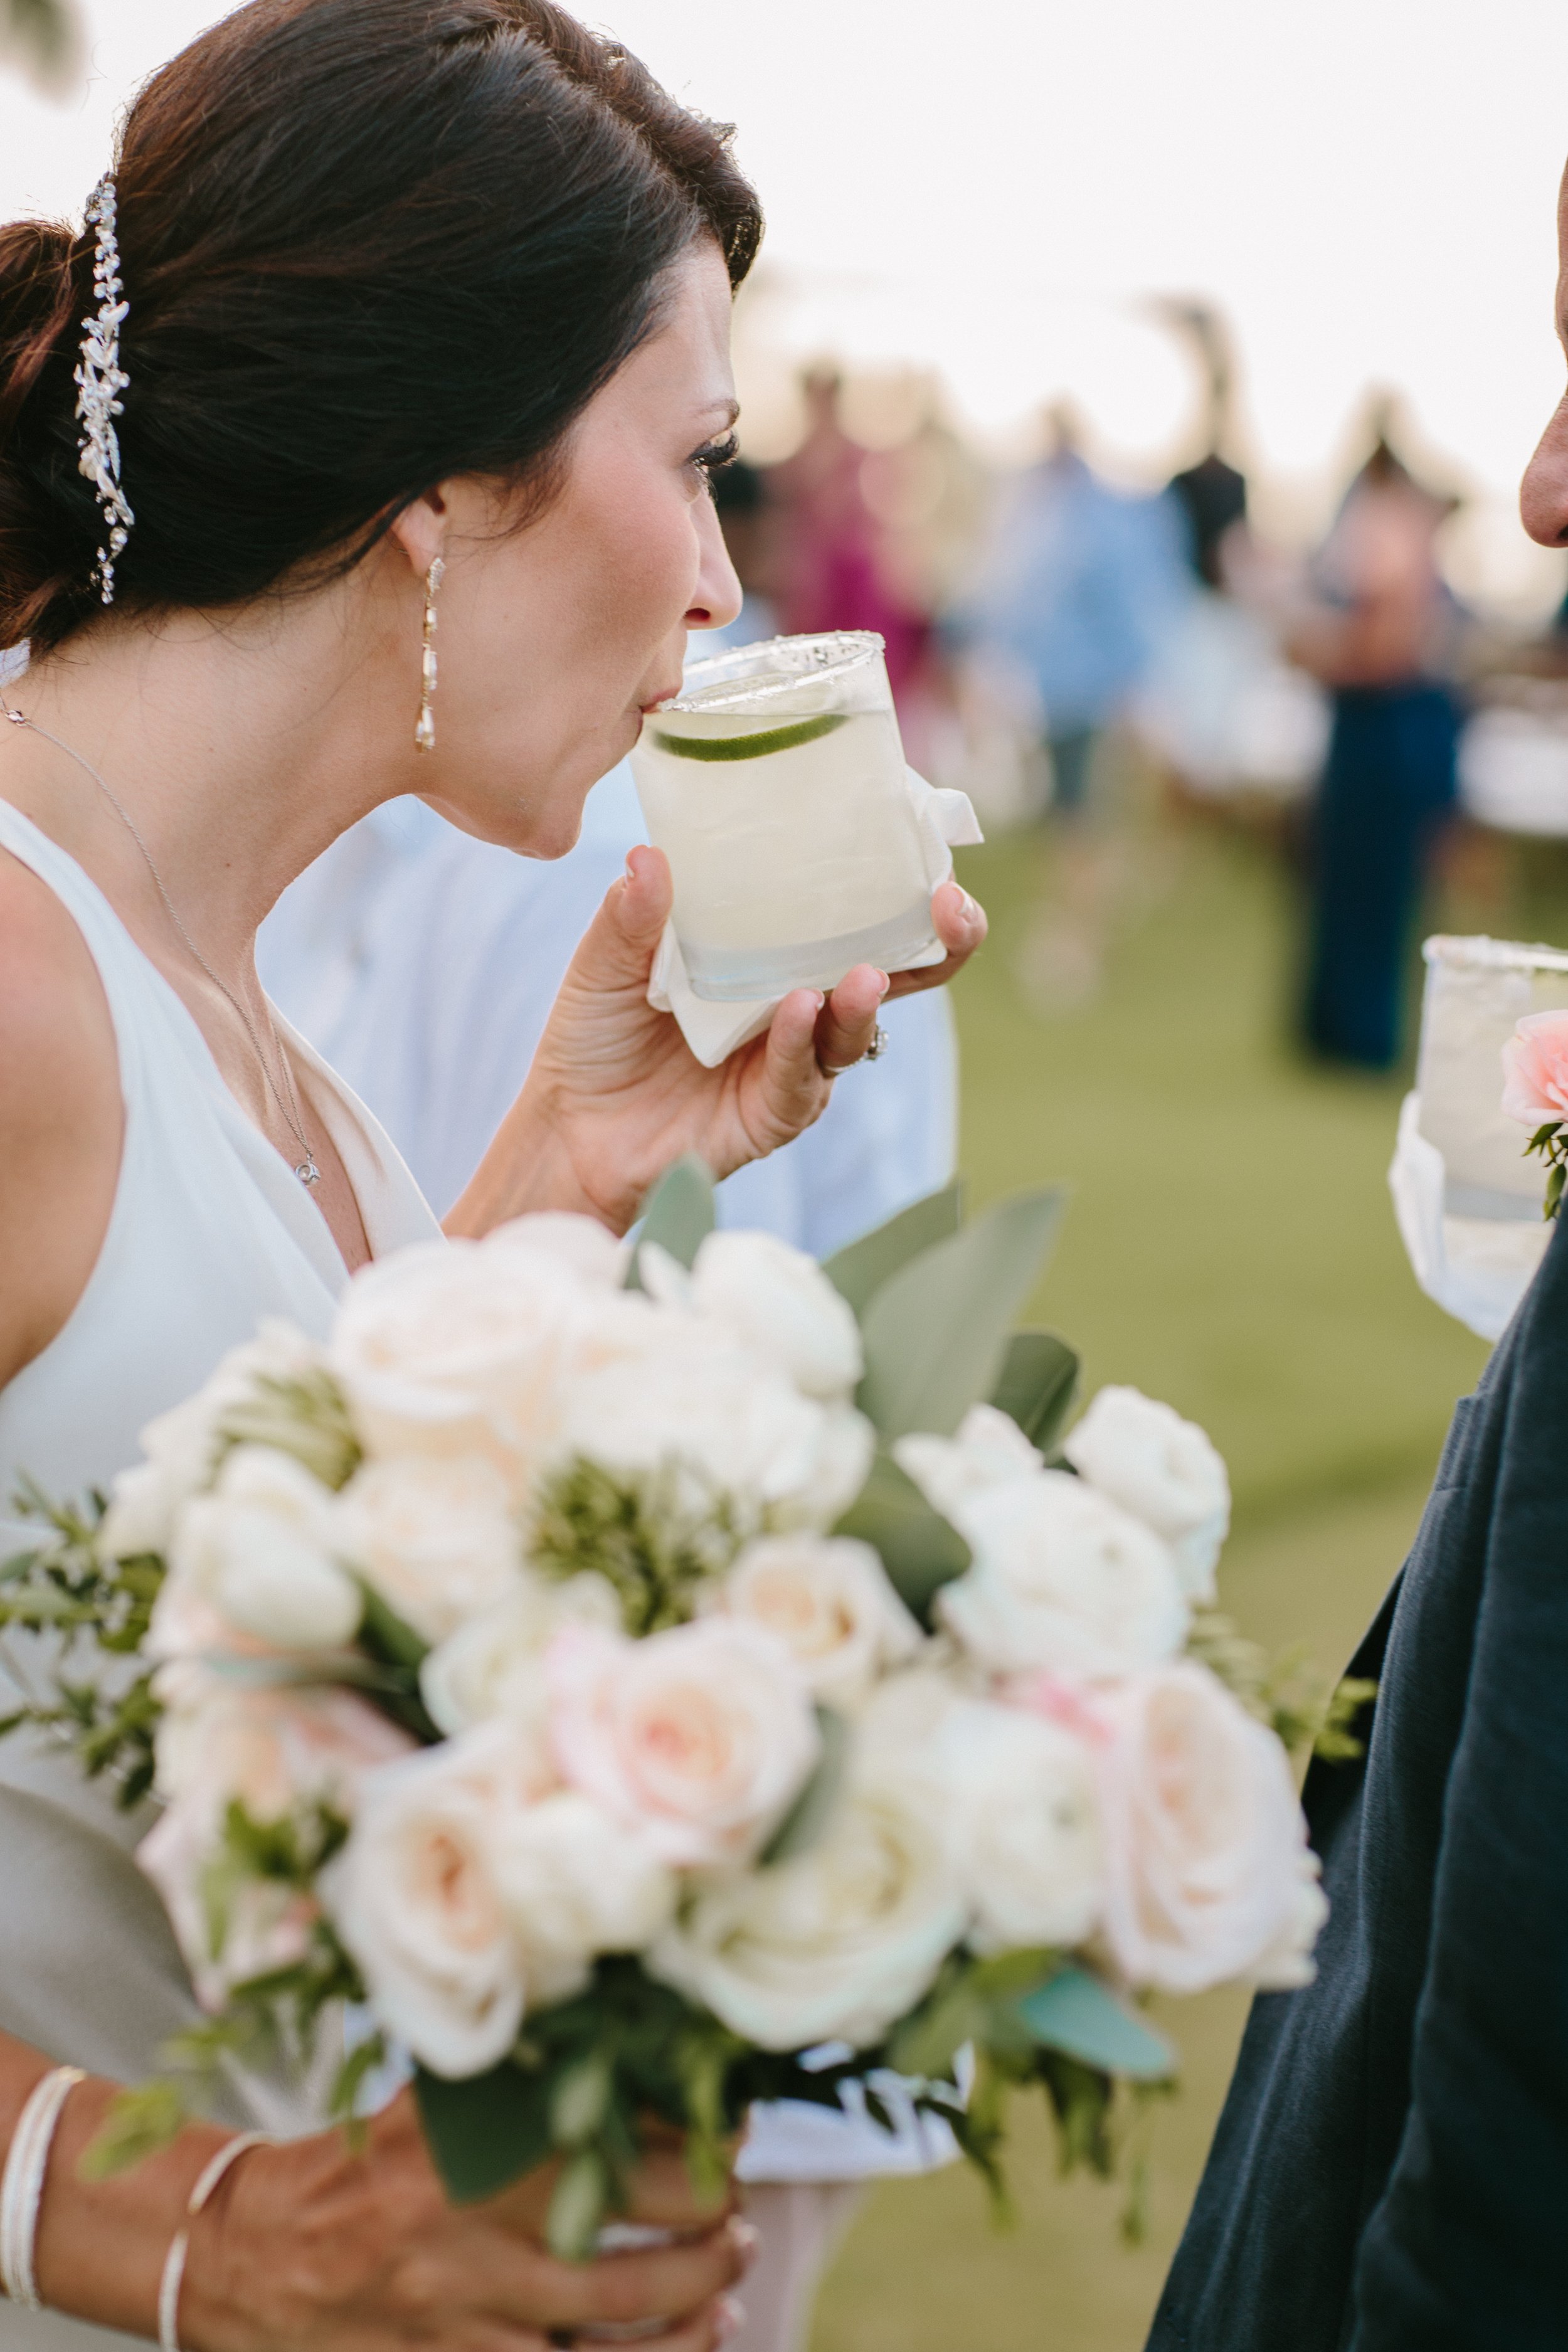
[{"x": 775, "y": 784}]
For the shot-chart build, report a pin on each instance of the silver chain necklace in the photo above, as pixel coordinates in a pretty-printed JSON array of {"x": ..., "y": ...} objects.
[{"x": 306, "y": 1171}]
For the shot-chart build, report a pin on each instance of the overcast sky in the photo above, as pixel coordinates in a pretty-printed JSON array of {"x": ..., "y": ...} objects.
[{"x": 1366, "y": 186}]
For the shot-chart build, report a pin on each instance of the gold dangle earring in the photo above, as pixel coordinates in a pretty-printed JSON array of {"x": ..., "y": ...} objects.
[{"x": 424, "y": 732}]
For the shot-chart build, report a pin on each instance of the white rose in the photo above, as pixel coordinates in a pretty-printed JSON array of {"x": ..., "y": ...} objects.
[
  {"x": 1204, "y": 1840},
  {"x": 494, "y": 1665},
  {"x": 589, "y": 1249},
  {"x": 836, "y": 1945},
  {"x": 416, "y": 1897},
  {"x": 699, "y": 1736},
  {"x": 778, "y": 1302},
  {"x": 575, "y": 1881},
  {"x": 1286, "y": 1964},
  {"x": 1063, "y": 1579},
  {"x": 1162, "y": 1469},
  {"x": 180, "y": 1446},
  {"x": 268, "y": 1750},
  {"x": 258, "y": 1552},
  {"x": 692, "y": 1397},
  {"x": 459, "y": 1347},
  {"x": 828, "y": 1600},
  {"x": 435, "y": 1538},
  {"x": 990, "y": 1450},
  {"x": 1019, "y": 1795}
]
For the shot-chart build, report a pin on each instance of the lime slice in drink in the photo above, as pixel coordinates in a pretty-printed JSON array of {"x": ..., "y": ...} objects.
[{"x": 749, "y": 746}]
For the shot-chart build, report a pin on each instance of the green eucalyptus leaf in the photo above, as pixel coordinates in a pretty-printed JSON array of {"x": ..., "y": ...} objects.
[
  {"x": 1075, "y": 2014},
  {"x": 858, "y": 1270},
  {"x": 677, "y": 1214},
  {"x": 936, "y": 1331},
  {"x": 1039, "y": 1376},
  {"x": 808, "y": 1816},
  {"x": 485, "y": 2132},
  {"x": 919, "y": 1548}
]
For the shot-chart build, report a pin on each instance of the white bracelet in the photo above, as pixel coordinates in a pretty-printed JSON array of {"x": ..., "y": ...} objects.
[
  {"x": 21, "y": 2193},
  {"x": 174, "y": 2276}
]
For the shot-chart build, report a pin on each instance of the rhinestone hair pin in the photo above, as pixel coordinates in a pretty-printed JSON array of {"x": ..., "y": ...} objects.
[{"x": 100, "y": 380}]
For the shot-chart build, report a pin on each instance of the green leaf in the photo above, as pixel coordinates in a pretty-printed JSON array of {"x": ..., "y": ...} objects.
[
  {"x": 1075, "y": 2014},
  {"x": 137, "y": 2124},
  {"x": 1040, "y": 1375},
  {"x": 677, "y": 1214},
  {"x": 484, "y": 2131},
  {"x": 858, "y": 1270},
  {"x": 577, "y": 2207},
  {"x": 919, "y": 1549},
  {"x": 388, "y": 1637},
  {"x": 808, "y": 1816},
  {"x": 578, "y": 2100},
  {"x": 1554, "y": 1190},
  {"x": 936, "y": 1332}
]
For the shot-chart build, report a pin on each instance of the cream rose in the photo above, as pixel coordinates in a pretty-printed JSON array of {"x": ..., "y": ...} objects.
[
  {"x": 1164, "y": 1471},
  {"x": 691, "y": 1396},
  {"x": 828, "y": 1600},
  {"x": 1061, "y": 1579},
  {"x": 1019, "y": 1798},
  {"x": 836, "y": 1945},
  {"x": 416, "y": 1898},
  {"x": 257, "y": 1552},
  {"x": 461, "y": 1347},
  {"x": 698, "y": 1737},
  {"x": 575, "y": 1881},
  {"x": 268, "y": 1750},
  {"x": 989, "y": 1450},
  {"x": 435, "y": 1538},
  {"x": 494, "y": 1665},
  {"x": 1205, "y": 1875},
  {"x": 180, "y": 1447},
  {"x": 778, "y": 1303}
]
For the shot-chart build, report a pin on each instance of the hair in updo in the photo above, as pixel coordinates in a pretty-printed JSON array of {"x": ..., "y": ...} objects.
[{"x": 367, "y": 245}]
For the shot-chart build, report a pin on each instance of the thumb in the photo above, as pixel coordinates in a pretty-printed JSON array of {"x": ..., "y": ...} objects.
[{"x": 618, "y": 947}]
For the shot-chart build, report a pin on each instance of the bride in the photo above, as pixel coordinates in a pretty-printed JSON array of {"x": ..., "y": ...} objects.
[{"x": 412, "y": 316}]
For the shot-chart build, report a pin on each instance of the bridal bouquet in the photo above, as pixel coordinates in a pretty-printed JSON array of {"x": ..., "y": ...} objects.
[{"x": 651, "y": 1678}]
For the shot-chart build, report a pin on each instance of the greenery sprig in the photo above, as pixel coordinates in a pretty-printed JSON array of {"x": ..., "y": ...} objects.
[{"x": 1551, "y": 1142}]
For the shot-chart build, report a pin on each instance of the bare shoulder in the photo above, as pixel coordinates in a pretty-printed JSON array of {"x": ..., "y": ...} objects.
[{"x": 60, "y": 1115}]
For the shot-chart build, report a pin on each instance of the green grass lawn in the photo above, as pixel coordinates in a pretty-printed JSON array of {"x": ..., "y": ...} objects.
[{"x": 1231, "y": 1247}]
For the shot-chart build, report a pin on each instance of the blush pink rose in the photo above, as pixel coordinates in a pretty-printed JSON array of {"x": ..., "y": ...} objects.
[
  {"x": 699, "y": 1738},
  {"x": 1535, "y": 1070}
]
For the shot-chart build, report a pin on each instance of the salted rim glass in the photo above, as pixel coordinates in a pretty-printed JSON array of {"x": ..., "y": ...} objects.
[{"x": 719, "y": 683}]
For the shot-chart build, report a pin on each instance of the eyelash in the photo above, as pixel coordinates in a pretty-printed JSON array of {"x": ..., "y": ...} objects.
[{"x": 714, "y": 456}]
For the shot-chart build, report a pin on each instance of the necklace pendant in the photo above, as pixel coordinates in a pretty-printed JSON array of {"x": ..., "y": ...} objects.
[{"x": 308, "y": 1173}]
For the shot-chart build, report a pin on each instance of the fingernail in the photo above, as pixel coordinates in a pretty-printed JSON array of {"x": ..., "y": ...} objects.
[
  {"x": 728, "y": 2317},
  {"x": 818, "y": 999},
  {"x": 886, "y": 984},
  {"x": 745, "y": 2234}
]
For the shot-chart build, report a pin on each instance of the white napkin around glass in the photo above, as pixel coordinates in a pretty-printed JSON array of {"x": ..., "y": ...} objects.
[{"x": 947, "y": 822}]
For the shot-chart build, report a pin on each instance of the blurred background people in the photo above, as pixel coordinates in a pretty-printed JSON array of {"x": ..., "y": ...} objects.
[{"x": 1381, "y": 635}]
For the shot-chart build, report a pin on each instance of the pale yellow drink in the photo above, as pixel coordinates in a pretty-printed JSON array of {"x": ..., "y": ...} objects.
[{"x": 775, "y": 784}]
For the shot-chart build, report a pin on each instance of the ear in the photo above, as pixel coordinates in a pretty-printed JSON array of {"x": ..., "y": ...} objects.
[{"x": 420, "y": 530}]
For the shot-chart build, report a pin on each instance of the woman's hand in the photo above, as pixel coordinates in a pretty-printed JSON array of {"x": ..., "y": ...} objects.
[
  {"x": 314, "y": 2247},
  {"x": 615, "y": 1095}
]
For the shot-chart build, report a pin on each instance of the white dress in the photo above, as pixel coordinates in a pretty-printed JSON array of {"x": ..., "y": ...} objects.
[{"x": 210, "y": 1231}]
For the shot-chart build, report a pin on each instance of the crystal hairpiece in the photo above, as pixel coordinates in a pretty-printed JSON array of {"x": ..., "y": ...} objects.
[{"x": 100, "y": 380}]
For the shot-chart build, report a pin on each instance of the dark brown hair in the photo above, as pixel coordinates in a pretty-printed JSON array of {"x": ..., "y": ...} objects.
[{"x": 367, "y": 245}]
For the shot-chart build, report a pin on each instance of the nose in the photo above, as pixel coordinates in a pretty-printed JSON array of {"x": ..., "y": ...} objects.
[
  {"x": 1543, "y": 493},
  {"x": 716, "y": 599}
]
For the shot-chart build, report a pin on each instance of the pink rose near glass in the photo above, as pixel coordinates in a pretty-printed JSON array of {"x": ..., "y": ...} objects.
[
  {"x": 645, "y": 1679},
  {"x": 1535, "y": 1093}
]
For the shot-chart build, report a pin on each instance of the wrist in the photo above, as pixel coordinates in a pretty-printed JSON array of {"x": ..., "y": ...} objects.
[
  {"x": 100, "y": 2246},
  {"x": 530, "y": 1167}
]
